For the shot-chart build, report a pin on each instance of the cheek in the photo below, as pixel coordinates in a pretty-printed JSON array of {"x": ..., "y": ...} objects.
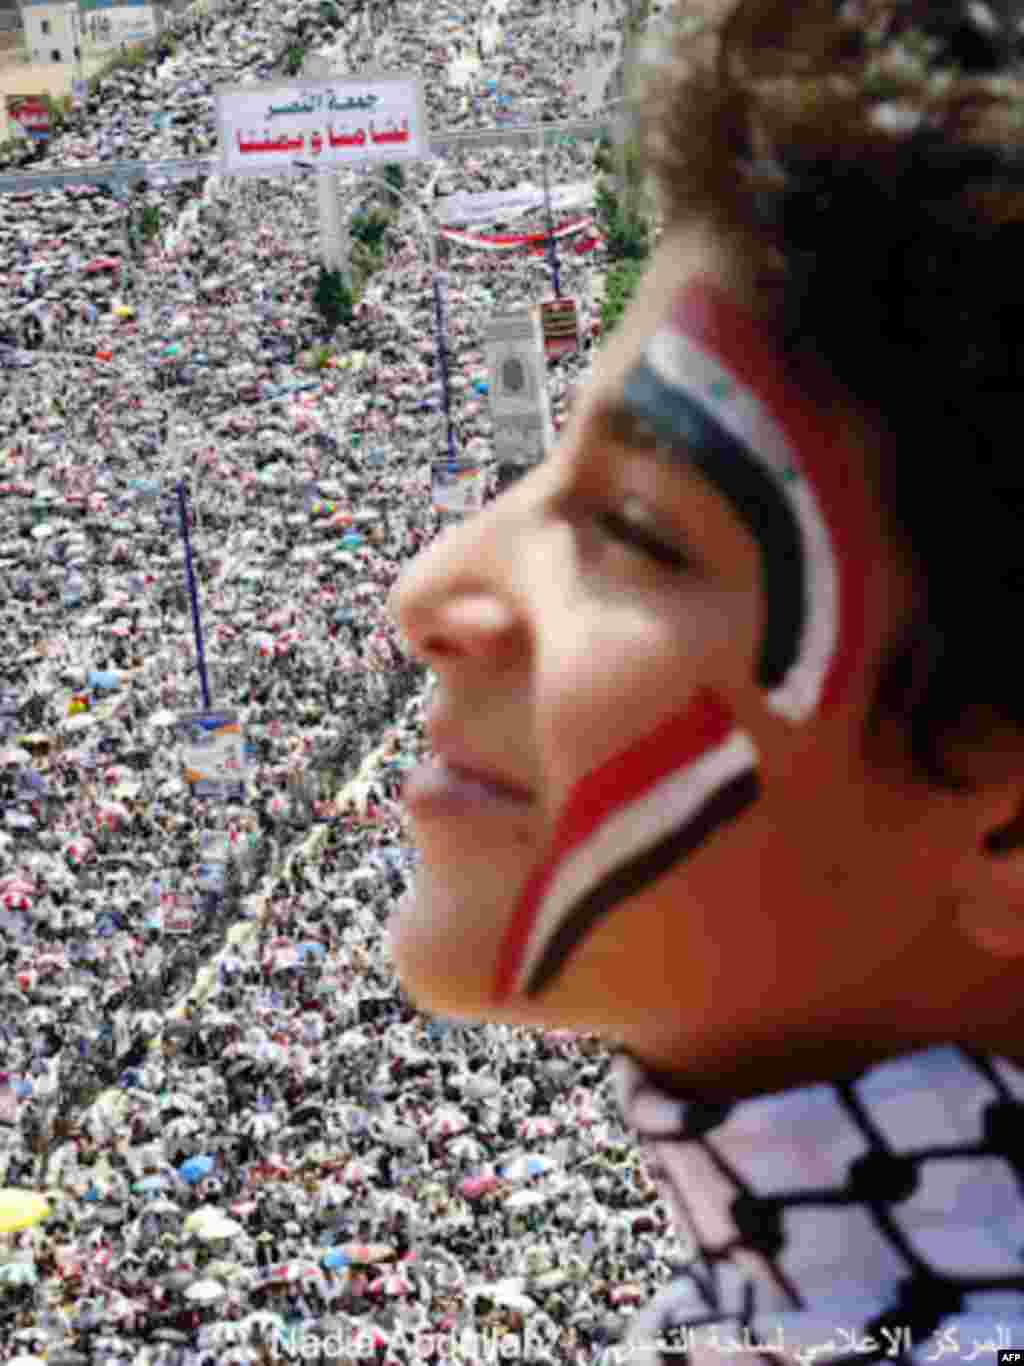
[{"x": 602, "y": 684}]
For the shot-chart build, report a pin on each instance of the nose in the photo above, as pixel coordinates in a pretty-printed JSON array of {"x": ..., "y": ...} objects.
[{"x": 455, "y": 602}]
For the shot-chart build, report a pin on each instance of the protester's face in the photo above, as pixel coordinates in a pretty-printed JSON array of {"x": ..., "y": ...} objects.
[{"x": 638, "y": 612}]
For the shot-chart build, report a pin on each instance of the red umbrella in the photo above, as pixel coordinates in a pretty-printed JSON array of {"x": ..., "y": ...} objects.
[
  {"x": 17, "y": 884},
  {"x": 475, "y": 1186},
  {"x": 393, "y": 1284}
]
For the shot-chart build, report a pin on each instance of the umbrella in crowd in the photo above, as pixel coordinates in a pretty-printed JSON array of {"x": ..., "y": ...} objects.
[{"x": 219, "y": 1118}]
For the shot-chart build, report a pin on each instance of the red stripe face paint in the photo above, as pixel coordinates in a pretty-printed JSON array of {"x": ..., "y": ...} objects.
[{"x": 711, "y": 385}]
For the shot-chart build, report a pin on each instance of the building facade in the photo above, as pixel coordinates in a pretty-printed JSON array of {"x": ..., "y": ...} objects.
[{"x": 52, "y": 29}]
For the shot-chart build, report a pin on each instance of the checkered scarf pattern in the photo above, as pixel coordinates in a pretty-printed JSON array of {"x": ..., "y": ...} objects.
[{"x": 876, "y": 1218}]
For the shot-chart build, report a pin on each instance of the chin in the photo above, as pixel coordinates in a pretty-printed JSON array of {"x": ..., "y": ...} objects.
[{"x": 444, "y": 938}]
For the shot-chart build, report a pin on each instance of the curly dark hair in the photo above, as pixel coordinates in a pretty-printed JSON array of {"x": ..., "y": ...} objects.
[{"x": 872, "y": 155}]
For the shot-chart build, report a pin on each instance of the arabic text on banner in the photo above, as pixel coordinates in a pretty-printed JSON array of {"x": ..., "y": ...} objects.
[
  {"x": 274, "y": 129},
  {"x": 560, "y": 324}
]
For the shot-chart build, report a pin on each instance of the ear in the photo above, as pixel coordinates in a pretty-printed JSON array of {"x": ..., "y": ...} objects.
[{"x": 989, "y": 885}]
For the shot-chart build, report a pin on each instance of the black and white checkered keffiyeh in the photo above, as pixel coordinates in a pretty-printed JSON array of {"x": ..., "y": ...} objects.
[{"x": 872, "y": 1219}]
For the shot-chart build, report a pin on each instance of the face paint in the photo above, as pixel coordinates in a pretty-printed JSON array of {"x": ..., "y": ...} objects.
[{"x": 711, "y": 384}]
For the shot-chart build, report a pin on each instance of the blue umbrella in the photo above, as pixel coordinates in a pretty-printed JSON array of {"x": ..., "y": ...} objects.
[
  {"x": 334, "y": 1257},
  {"x": 196, "y": 1168},
  {"x": 310, "y": 946},
  {"x": 350, "y": 540},
  {"x": 103, "y": 680}
]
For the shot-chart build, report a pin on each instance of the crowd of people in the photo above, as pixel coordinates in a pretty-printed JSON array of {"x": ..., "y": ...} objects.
[{"x": 247, "y": 1137}]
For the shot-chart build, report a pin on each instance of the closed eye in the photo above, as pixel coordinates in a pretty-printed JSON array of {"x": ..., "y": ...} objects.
[{"x": 639, "y": 538}]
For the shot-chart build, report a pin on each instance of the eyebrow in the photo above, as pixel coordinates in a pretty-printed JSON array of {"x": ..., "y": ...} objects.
[{"x": 626, "y": 425}]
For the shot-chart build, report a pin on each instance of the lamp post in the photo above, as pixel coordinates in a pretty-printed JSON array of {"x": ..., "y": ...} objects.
[
  {"x": 438, "y": 282},
  {"x": 552, "y": 249}
]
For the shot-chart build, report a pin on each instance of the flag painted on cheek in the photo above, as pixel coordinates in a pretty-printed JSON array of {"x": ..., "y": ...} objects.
[
  {"x": 626, "y": 823},
  {"x": 711, "y": 385}
]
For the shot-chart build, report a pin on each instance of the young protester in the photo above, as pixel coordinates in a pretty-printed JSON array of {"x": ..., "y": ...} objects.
[{"x": 729, "y": 743}]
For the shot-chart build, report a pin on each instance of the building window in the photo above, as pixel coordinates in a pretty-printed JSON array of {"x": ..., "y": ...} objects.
[
  {"x": 55, "y": 54},
  {"x": 45, "y": 24}
]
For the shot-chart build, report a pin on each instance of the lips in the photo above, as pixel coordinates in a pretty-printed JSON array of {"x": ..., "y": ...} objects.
[
  {"x": 438, "y": 781},
  {"x": 462, "y": 762},
  {"x": 486, "y": 779}
]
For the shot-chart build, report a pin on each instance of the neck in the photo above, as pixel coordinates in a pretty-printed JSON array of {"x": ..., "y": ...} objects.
[{"x": 736, "y": 1069}]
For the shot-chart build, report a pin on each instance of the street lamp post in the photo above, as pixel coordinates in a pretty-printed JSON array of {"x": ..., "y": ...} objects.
[{"x": 552, "y": 248}]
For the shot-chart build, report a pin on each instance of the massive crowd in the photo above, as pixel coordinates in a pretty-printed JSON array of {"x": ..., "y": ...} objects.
[{"x": 246, "y": 1135}]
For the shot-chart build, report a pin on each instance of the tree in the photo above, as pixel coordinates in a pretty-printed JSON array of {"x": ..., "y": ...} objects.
[
  {"x": 619, "y": 287},
  {"x": 149, "y": 222},
  {"x": 294, "y": 58},
  {"x": 370, "y": 229},
  {"x": 395, "y": 177},
  {"x": 626, "y": 233},
  {"x": 333, "y": 299}
]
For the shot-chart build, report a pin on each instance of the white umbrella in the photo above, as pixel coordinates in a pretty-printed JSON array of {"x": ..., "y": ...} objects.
[
  {"x": 203, "y": 1215},
  {"x": 538, "y": 1126},
  {"x": 81, "y": 721},
  {"x": 205, "y": 1292},
  {"x": 216, "y": 1229},
  {"x": 508, "y": 1292},
  {"x": 524, "y": 1200},
  {"x": 162, "y": 1206},
  {"x": 448, "y": 1121},
  {"x": 467, "y": 1148},
  {"x": 479, "y": 1085},
  {"x": 162, "y": 718},
  {"x": 526, "y": 1165}
]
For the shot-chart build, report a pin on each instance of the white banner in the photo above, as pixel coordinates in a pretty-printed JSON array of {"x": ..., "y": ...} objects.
[
  {"x": 536, "y": 241},
  {"x": 518, "y": 391},
  {"x": 276, "y": 129},
  {"x": 213, "y": 753},
  {"x": 503, "y": 205},
  {"x": 458, "y": 485}
]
